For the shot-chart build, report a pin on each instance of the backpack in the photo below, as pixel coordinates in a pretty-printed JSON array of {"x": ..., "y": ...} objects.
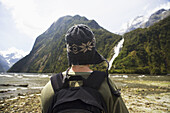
[{"x": 77, "y": 94}]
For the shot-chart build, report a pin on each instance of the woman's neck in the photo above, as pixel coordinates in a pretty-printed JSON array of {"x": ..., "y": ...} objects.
[{"x": 80, "y": 68}]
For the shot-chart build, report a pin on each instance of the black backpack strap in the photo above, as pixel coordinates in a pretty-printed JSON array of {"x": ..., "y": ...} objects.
[
  {"x": 116, "y": 92},
  {"x": 57, "y": 81},
  {"x": 95, "y": 79}
]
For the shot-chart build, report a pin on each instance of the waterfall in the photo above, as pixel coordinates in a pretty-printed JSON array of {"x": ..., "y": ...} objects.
[{"x": 117, "y": 49}]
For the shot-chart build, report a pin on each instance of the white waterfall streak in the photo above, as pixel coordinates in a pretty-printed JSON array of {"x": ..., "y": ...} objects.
[{"x": 117, "y": 49}]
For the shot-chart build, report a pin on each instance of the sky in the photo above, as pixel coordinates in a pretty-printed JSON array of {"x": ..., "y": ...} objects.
[{"x": 21, "y": 21}]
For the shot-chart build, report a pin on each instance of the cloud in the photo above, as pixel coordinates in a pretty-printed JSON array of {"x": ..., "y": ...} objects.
[
  {"x": 33, "y": 17},
  {"x": 148, "y": 9},
  {"x": 161, "y": 6},
  {"x": 145, "y": 7},
  {"x": 18, "y": 52},
  {"x": 25, "y": 16}
]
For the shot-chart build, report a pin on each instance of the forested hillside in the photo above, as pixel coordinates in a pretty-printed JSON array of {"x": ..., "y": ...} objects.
[
  {"x": 49, "y": 51},
  {"x": 145, "y": 50}
]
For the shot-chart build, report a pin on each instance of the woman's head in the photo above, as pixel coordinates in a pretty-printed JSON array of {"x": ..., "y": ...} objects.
[{"x": 81, "y": 48}]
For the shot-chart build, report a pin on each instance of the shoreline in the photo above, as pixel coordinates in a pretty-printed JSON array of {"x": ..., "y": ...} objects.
[
  {"x": 136, "y": 100},
  {"x": 27, "y": 103},
  {"x": 141, "y": 94}
]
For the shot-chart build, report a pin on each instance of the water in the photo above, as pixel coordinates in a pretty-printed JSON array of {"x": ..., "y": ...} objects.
[
  {"x": 143, "y": 81},
  {"x": 141, "y": 77},
  {"x": 12, "y": 84},
  {"x": 36, "y": 82},
  {"x": 117, "y": 49}
]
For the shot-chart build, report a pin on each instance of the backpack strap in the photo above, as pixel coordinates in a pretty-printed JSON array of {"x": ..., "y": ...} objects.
[
  {"x": 57, "y": 81},
  {"x": 115, "y": 92},
  {"x": 95, "y": 79}
]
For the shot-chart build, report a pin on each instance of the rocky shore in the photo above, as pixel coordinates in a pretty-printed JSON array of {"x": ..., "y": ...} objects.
[
  {"x": 138, "y": 101},
  {"x": 141, "y": 98},
  {"x": 21, "y": 104},
  {"x": 135, "y": 99}
]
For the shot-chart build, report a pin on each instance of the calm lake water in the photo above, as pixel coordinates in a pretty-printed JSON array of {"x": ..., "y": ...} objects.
[{"x": 9, "y": 82}]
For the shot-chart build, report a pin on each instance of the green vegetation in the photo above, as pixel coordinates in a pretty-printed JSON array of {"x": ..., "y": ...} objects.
[
  {"x": 145, "y": 50},
  {"x": 49, "y": 53}
]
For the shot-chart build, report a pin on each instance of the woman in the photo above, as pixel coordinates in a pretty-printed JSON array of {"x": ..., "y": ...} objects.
[{"x": 81, "y": 54}]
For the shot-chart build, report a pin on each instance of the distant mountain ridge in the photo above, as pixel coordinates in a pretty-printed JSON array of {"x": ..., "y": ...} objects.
[
  {"x": 143, "y": 21},
  {"x": 145, "y": 50},
  {"x": 10, "y": 57},
  {"x": 49, "y": 50},
  {"x": 156, "y": 17},
  {"x": 3, "y": 64}
]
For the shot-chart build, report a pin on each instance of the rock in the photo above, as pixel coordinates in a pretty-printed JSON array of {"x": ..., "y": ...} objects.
[
  {"x": 147, "y": 103},
  {"x": 20, "y": 94},
  {"x": 3, "y": 91},
  {"x": 158, "y": 98},
  {"x": 15, "y": 85}
]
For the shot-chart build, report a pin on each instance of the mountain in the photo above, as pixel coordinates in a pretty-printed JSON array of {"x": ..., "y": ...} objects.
[
  {"x": 156, "y": 17},
  {"x": 136, "y": 23},
  {"x": 1, "y": 68},
  {"x": 145, "y": 50},
  {"x": 49, "y": 50},
  {"x": 3, "y": 64},
  {"x": 12, "y": 55},
  {"x": 143, "y": 21}
]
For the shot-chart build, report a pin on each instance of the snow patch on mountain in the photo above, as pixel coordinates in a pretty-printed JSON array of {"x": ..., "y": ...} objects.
[
  {"x": 133, "y": 24},
  {"x": 12, "y": 55},
  {"x": 136, "y": 23},
  {"x": 144, "y": 21}
]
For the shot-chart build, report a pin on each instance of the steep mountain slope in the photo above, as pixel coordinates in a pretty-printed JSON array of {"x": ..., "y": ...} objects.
[
  {"x": 1, "y": 68},
  {"x": 3, "y": 64},
  {"x": 136, "y": 23},
  {"x": 156, "y": 17},
  {"x": 49, "y": 51},
  {"x": 146, "y": 50},
  {"x": 143, "y": 21}
]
